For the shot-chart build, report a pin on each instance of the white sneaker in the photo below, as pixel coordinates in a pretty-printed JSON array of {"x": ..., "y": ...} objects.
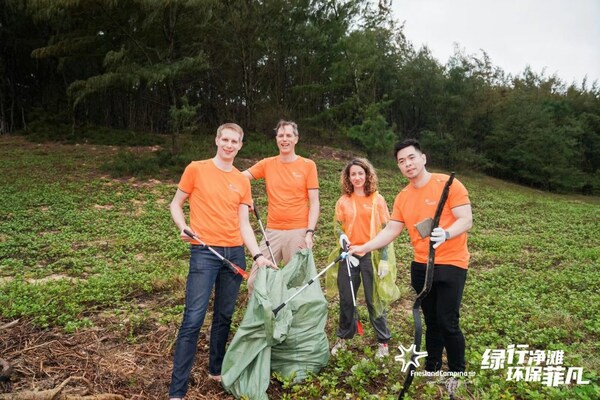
[
  {"x": 382, "y": 350},
  {"x": 339, "y": 345}
]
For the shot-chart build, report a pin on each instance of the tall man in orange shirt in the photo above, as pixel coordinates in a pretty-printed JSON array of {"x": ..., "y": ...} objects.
[
  {"x": 293, "y": 197},
  {"x": 415, "y": 203},
  {"x": 219, "y": 197}
]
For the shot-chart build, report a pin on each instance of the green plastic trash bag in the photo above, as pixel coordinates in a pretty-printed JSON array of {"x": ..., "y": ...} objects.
[{"x": 293, "y": 343}]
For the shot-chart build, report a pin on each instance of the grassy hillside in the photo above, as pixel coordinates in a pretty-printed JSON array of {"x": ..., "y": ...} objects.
[{"x": 92, "y": 268}]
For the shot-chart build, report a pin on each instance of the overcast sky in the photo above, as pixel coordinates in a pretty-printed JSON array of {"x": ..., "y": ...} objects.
[{"x": 562, "y": 36}]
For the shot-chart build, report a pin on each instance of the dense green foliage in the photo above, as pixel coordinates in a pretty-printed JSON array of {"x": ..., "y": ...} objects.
[
  {"x": 341, "y": 68},
  {"x": 76, "y": 244}
]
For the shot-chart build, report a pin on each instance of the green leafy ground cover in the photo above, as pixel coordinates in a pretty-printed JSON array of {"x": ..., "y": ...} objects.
[{"x": 77, "y": 245}]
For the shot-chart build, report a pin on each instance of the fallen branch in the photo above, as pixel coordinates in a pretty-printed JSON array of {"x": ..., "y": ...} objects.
[
  {"x": 51, "y": 394},
  {"x": 55, "y": 394},
  {"x": 105, "y": 396},
  {"x": 37, "y": 346},
  {"x": 9, "y": 325}
]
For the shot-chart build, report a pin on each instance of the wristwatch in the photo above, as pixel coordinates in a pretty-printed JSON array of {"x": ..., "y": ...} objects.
[
  {"x": 257, "y": 255},
  {"x": 447, "y": 235}
]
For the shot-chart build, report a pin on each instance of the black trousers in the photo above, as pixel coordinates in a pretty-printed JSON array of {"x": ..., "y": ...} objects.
[
  {"x": 347, "y": 325},
  {"x": 441, "y": 308}
]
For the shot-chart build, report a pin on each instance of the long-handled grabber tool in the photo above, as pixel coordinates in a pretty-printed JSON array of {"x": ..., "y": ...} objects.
[
  {"x": 345, "y": 244},
  {"x": 262, "y": 228},
  {"x": 338, "y": 259},
  {"x": 231, "y": 265}
]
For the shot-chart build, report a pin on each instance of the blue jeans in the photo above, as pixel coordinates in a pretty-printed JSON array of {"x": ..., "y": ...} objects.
[{"x": 206, "y": 271}]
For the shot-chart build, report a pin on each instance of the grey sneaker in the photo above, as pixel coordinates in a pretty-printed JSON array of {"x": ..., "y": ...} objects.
[
  {"x": 452, "y": 385},
  {"x": 382, "y": 350},
  {"x": 339, "y": 345}
]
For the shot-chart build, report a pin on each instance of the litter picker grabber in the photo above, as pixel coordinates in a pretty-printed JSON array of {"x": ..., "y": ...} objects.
[
  {"x": 264, "y": 235},
  {"x": 231, "y": 265},
  {"x": 342, "y": 256},
  {"x": 426, "y": 288},
  {"x": 345, "y": 244}
]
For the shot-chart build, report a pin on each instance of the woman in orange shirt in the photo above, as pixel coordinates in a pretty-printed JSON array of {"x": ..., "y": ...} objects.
[{"x": 361, "y": 212}]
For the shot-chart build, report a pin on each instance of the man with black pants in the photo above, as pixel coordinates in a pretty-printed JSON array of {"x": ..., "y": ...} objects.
[{"x": 414, "y": 204}]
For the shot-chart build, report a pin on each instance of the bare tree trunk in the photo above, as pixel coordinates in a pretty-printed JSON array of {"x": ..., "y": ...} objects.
[
  {"x": 2, "y": 114},
  {"x": 11, "y": 126}
]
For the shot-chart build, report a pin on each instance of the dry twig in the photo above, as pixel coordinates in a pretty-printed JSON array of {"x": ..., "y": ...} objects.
[{"x": 9, "y": 325}]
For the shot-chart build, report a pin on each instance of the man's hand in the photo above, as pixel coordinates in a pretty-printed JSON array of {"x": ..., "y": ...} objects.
[
  {"x": 438, "y": 236},
  {"x": 184, "y": 236},
  {"x": 308, "y": 240},
  {"x": 358, "y": 250},
  {"x": 263, "y": 261}
]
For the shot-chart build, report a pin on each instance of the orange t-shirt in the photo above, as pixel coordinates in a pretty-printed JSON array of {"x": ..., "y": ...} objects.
[
  {"x": 413, "y": 205},
  {"x": 354, "y": 213},
  {"x": 287, "y": 190},
  {"x": 215, "y": 199}
]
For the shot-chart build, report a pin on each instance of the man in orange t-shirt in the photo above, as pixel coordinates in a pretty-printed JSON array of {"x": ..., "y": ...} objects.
[
  {"x": 219, "y": 197},
  {"x": 293, "y": 197},
  {"x": 415, "y": 203}
]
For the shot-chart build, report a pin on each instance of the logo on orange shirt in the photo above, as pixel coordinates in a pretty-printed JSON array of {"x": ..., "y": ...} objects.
[
  {"x": 430, "y": 202},
  {"x": 233, "y": 188},
  {"x": 297, "y": 175}
]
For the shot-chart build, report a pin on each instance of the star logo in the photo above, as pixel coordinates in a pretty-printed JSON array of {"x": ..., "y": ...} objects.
[{"x": 411, "y": 354}]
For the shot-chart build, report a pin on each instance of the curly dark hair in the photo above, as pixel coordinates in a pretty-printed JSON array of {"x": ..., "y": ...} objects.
[{"x": 370, "y": 177}]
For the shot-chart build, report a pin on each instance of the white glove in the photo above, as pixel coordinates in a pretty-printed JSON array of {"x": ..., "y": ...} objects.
[
  {"x": 344, "y": 239},
  {"x": 438, "y": 236},
  {"x": 383, "y": 268}
]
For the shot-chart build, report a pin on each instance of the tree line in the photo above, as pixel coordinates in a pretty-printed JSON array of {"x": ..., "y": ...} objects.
[{"x": 343, "y": 69}]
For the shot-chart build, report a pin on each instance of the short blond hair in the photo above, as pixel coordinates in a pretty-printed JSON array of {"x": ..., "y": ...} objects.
[
  {"x": 233, "y": 127},
  {"x": 283, "y": 123}
]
